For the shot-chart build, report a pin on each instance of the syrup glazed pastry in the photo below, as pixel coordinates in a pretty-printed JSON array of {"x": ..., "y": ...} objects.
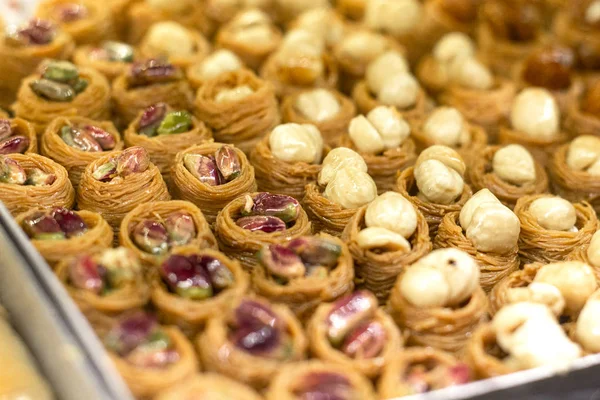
[
  {"x": 445, "y": 314},
  {"x": 252, "y": 341},
  {"x": 211, "y": 175},
  {"x": 447, "y": 126},
  {"x": 251, "y": 35},
  {"x": 23, "y": 48},
  {"x": 109, "y": 57},
  {"x": 382, "y": 138},
  {"x": 589, "y": 253},
  {"x": 87, "y": 21},
  {"x": 420, "y": 370},
  {"x": 116, "y": 183},
  {"x": 21, "y": 380},
  {"x": 564, "y": 287},
  {"x": 488, "y": 231},
  {"x": 17, "y": 136},
  {"x": 151, "y": 230},
  {"x": 343, "y": 186},
  {"x": 583, "y": 114},
  {"x": 301, "y": 62},
  {"x": 143, "y": 14},
  {"x": 61, "y": 89},
  {"x": 575, "y": 170},
  {"x": 551, "y": 227},
  {"x": 316, "y": 379},
  {"x": 191, "y": 286},
  {"x": 509, "y": 172},
  {"x": 388, "y": 82},
  {"x": 354, "y": 333},
  {"x": 216, "y": 63},
  {"x": 304, "y": 272},
  {"x": 357, "y": 49},
  {"x": 74, "y": 142},
  {"x": 28, "y": 181},
  {"x": 328, "y": 110},
  {"x": 59, "y": 233},
  {"x": 508, "y": 32},
  {"x": 147, "y": 83},
  {"x": 552, "y": 67},
  {"x": 288, "y": 159},
  {"x": 171, "y": 41},
  {"x": 384, "y": 238},
  {"x": 209, "y": 384},
  {"x": 104, "y": 284},
  {"x": 521, "y": 336},
  {"x": 254, "y": 220},
  {"x": 435, "y": 185},
  {"x": 239, "y": 107},
  {"x": 164, "y": 132},
  {"x": 149, "y": 357},
  {"x": 535, "y": 124}
]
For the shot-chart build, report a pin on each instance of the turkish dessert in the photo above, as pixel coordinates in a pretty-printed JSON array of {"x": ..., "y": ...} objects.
[
  {"x": 253, "y": 220},
  {"x": 212, "y": 65},
  {"x": 17, "y": 136},
  {"x": 28, "y": 181},
  {"x": 74, "y": 142},
  {"x": 109, "y": 57},
  {"x": 61, "y": 89},
  {"x": 58, "y": 233}
]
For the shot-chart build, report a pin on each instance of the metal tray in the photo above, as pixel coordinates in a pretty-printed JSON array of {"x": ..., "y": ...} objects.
[
  {"x": 60, "y": 339},
  {"x": 74, "y": 361}
]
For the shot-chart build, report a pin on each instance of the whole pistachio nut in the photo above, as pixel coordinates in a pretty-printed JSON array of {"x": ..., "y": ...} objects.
[
  {"x": 316, "y": 251},
  {"x": 118, "y": 52},
  {"x": 60, "y": 71},
  {"x": 14, "y": 144},
  {"x": 220, "y": 276},
  {"x": 11, "y": 171},
  {"x": 121, "y": 265},
  {"x": 366, "y": 341},
  {"x": 69, "y": 221},
  {"x": 41, "y": 226},
  {"x": 152, "y": 71},
  {"x": 181, "y": 228},
  {"x": 35, "y": 32},
  {"x": 132, "y": 160},
  {"x": 256, "y": 314},
  {"x": 86, "y": 274},
  {"x": 104, "y": 138},
  {"x": 52, "y": 90},
  {"x": 265, "y": 224},
  {"x": 151, "y": 236},
  {"x": 259, "y": 340},
  {"x": 281, "y": 206},
  {"x": 131, "y": 331},
  {"x": 37, "y": 177},
  {"x": 228, "y": 163},
  {"x": 84, "y": 141},
  {"x": 72, "y": 12},
  {"x": 324, "y": 385},
  {"x": 348, "y": 312},
  {"x": 151, "y": 119},
  {"x": 175, "y": 122},
  {"x": 203, "y": 168},
  {"x": 106, "y": 171},
  {"x": 281, "y": 261},
  {"x": 187, "y": 279},
  {"x": 5, "y": 129}
]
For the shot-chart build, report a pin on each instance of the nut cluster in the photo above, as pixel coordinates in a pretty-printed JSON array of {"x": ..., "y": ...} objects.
[
  {"x": 382, "y": 129},
  {"x": 169, "y": 39},
  {"x": 323, "y": 21},
  {"x": 391, "y": 220},
  {"x": 268, "y": 212},
  {"x": 318, "y": 105},
  {"x": 14, "y": 173},
  {"x": 514, "y": 164},
  {"x": 584, "y": 154},
  {"x": 87, "y": 138},
  {"x": 156, "y": 121},
  {"x": 439, "y": 172},
  {"x": 535, "y": 113},
  {"x": 215, "y": 170},
  {"x": 35, "y": 32},
  {"x": 113, "y": 52},
  {"x": 133, "y": 160},
  {"x": 54, "y": 224},
  {"x": 344, "y": 172},
  {"x": 253, "y": 27},
  {"x": 10, "y": 140},
  {"x": 159, "y": 236},
  {"x": 59, "y": 81},
  {"x": 220, "y": 61},
  {"x": 490, "y": 225},
  {"x": 443, "y": 278},
  {"x": 299, "y": 59},
  {"x": 389, "y": 78},
  {"x": 554, "y": 213},
  {"x": 447, "y": 126}
]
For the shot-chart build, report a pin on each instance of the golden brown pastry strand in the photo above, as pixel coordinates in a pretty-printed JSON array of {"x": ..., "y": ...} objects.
[
  {"x": 520, "y": 278},
  {"x": 478, "y": 354},
  {"x": 324, "y": 214},
  {"x": 365, "y": 102},
  {"x": 75, "y": 161}
]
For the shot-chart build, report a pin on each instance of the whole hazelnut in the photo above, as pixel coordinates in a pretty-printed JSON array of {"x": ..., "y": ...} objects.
[
  {"x": 550, "y": 67},
  {"x": 535, "y": 113},
  {"x": 514, "y": 164},
  {"x": 296, "y": 143},
  {"x": 553, "y": 213}
]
